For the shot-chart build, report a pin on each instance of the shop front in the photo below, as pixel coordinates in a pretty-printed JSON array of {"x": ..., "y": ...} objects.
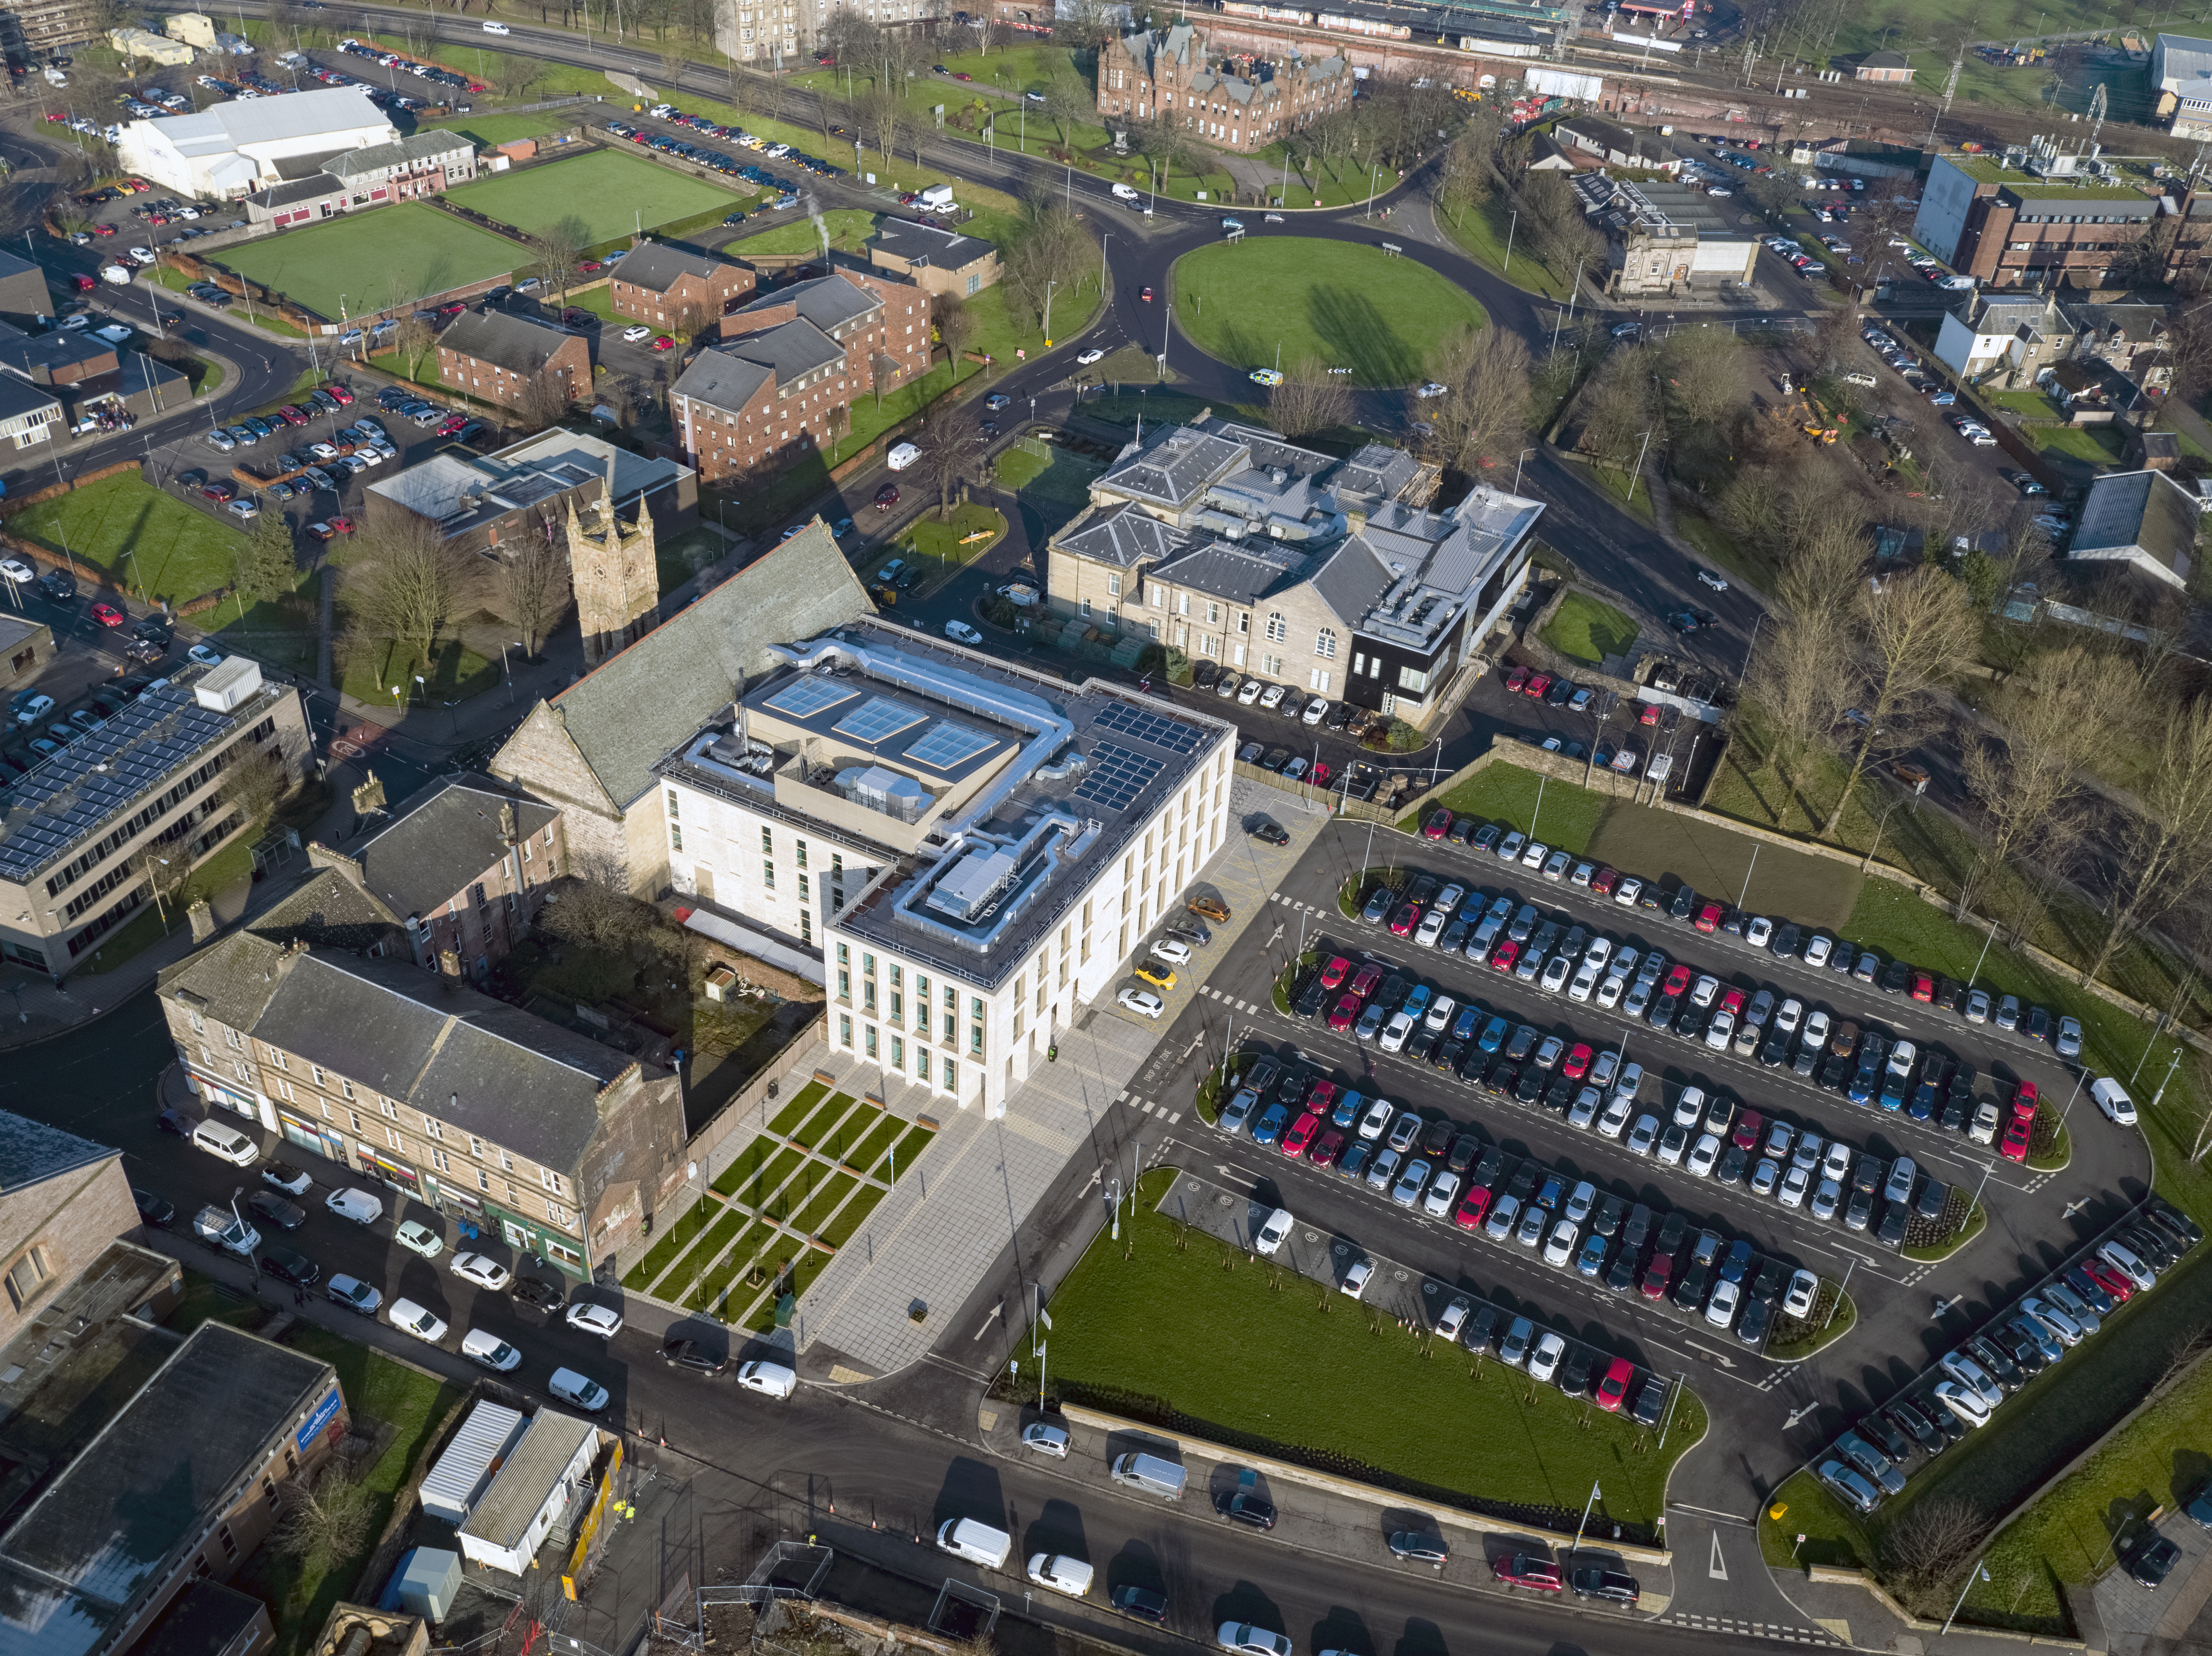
[
  {"x": 226, "y": 1095},
  {"x": 312, "y": 1136},
  {"x": 383, "y": 1168},
  {"x": 528, "y": 1235},
  {"x": 464, "y": 1207}
]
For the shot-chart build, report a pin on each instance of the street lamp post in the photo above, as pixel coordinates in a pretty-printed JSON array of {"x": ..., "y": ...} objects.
[
  {"x": 508, "y": 671},
  {"x": 1048, "y": 287},
  {"x": 1524, "y": 454}
]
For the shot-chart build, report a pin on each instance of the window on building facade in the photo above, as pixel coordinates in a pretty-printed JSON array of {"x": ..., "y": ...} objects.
[
  {"x": 1278, "y": 629},
  {"x": 27, "y": 1275},
  {"x": 1325, "y": 644},
  {"x": 1413, "y": 679}
]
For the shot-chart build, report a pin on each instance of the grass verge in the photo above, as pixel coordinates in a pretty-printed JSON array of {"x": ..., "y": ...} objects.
[{"x": 1589, "y": 629}]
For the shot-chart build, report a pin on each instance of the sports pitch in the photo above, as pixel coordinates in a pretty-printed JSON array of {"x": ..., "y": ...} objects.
[
  {"x": 614, "y": 195},
  {"x": 385, "y": 259}
]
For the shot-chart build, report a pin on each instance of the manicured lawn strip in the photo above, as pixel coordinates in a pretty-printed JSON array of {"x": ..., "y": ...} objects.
[
  {"x": 679, "y": 1236},
  {"x": 811, "y": 1266},
  {"x": 703, "y": 1253},
  {"x": 1713, "y": 858},
  {"x": 1589, "y": 629},
  {"x": 795, "y": 1112},
  {"x": 818, "y": 1124},
  {"x": 137, "y": 536},
  {"x": 1831, "y": 1536},
  {"x": 613, "y": 194},
  {"x": 381, "y": 260},
  {"x": 1018, "y": 467},
  {"x": 903, "y": 1154},
  {"x": 841, "y": 1229},
  {"x": 1142, "y": 1332},
  {"x": 757, "y": 1193},
  {"x": 816, "y": 1214},
  {"x": 945, "y": 545},
  {"x": 837, "y": 1144},
  {"x": 1253, "y": 304},
  {"x": 1482, "y": 234},
  {"x": 1504, "y": 792},
  {"x": 727, "y": 1270},
  {"x": 870, "y": 1151},
  {"x": 415, "y": 1404},
  {"x": 747, "y": 1162},
  {"x": 849, "y": 230}
]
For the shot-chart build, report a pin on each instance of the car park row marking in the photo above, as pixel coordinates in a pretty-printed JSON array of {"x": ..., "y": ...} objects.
[{"x": 1797, "y": 1636}]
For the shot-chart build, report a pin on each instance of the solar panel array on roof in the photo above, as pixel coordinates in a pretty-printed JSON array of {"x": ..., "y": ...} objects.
[
  {"x": 876, "y": 719},
  {"x": 810, "y": 696},
  {"x": 946, "y": 746},
  {"x": 1115, "y": 776},
  {"x": 1148, "y": 727}
]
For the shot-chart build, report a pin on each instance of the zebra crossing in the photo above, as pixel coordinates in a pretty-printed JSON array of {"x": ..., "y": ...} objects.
[
  {"x": 1228, "y": 1000},
  {"x": 1159, "y": 1111},
  {"x": 1795, "y": 1636}
]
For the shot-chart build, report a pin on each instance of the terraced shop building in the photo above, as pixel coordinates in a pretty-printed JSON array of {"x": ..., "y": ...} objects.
[
  {"x": 975, "y": 849},
  {"x": 73, "y": 831}
]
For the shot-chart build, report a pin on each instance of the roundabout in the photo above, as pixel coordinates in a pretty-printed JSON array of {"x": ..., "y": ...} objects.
[{"x": 1342, "y": 304}]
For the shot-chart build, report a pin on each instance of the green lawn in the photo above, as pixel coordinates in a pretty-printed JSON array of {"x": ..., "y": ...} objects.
[
  {"x": 2034, "y": 404},
  {"x": 785, "y": 1163},
  {"x": 415, "y": 1404},
  {"x": 817, "y": 1128},
  {"x": 2098, "y": 445},
  {"x": 381, "y": 260},
  {"x": 1482, "y": 234},
  {"x": 677, "y": 1234},
  {"x": 1589, "y": 629},
  {"x": 855, "y": 1214},
  {"x": 849, "y": 230},
  {"x": 1057, "y": 482},
  {"x": 795, "y": 1112},
  {"x": 870, "y": 1150},
  {"x": 904, "y": 1154},
  {"x": 941, "y": 542},
  {"x": 1753, "y": 568},
  {"x": 1343, "y": 305},
  {"x": 1566, "y": 819},
  {"x": 601, "y": 187},
  {"x": 1141, "y": 1332},
  {"x": 454, "y": 673},
  {"x": 174, "y": 551}
]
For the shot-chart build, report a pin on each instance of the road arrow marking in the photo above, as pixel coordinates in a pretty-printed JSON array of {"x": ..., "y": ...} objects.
[{"x": 1717, "y": 1569}]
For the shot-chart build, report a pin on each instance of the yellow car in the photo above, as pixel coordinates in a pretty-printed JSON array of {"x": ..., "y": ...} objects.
[{"x": 1160, "y": 977}]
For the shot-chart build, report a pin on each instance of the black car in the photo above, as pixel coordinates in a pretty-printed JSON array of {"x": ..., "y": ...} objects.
[
  {"x": 2002, "y": 1357},
  {"x": 58, "y": 584},
  {"x": 1421, "y": 1049},
  {"x": 1606, "y": 1219},
  {"x": 1894, "y": 977},
  {"x": 1243, "y": 1506},
  {"x": 2183, "y": 1232},
  {"x": 2151, "y": 1559},
  {"x": 1890, "y": 1440},
  {"x": 2154, "y": 1244},
  {"x": 1903, "y": 1414},
  {"x": 1956, "y": 1108},
  {"x": 1611, "y": 1585},
  {"x": 1690, "y": 1292},
  {"x": 1786, "y": 939},
  {"x": 1482, "y": 1328},
  {"x": 1750, "y": 1326},
  {"x": 1450, "y": 1056},
  {"x": 1524, "y": 1181},
  {"x": 1490, "y": 1169},
  {"x": 1308, "y": 1004},
  {"x": 1560, "y": 694},
  {"x": 1575, "y": 1372},
  {"x": 2197, "y": 1509},
  {"x": 152, "y": 630},
  {"x": 1672, "y": 1229},
  {"x": 1638, "y": 1228},
  {"x": 154, "y": 1209},
  {"x": 1890, "y": 1232},
  {"x": 285, "y": 1215},
  {"x": 531, "y": 1291},
  {"x": 1930, "y": 1203},
  {"x": 1530, "y": 1087},
  {"x": 174, "y": 1121},
  {"x": 1950, "y": 996},
  {"x": 2090, "y": 1289},
  {"x": 1738, "y": 1262},
  {"x": 1732, "y": 1167},
  {"x": 1205, "y": 675},
  {"x": 1140, "y": 1601},
  {"x": 681, "y": 1353},
  {"x": 289, "y": 1265},
  {"x": 1685, "y": 903},
  {"x": 1621, "y": 1278},
  {"x": 2038, "y": 1026}
]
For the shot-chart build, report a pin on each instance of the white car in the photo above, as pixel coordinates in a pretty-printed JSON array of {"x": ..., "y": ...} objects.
[
  {"x": 1397, "y": 1032},
  {"x": 482, "y": 1270},
  {"x": 1718, "y": 1032},
  {"x": 1721, "y": 1308},
  {"x": 1798, "y": 1299},
  {"x": 588, "y": 1318},
  {"x": 1432, "y": 389},
  {"x": 1758, "y": 931},
  {"x": 1703, "y": 1154},
  {"x": 420, "y": 1321},
  {"x": 1441, "y": 1011},
  {"x": 1964, "y": 1404},
  {"x": 1061, "y": 1573},
  {"x": 1559, "y": 1246},
  {"x": 1614, "y": 1121},
  {"x": 1644, "y": 1135},
  {"x": 418, "y": 1238},
  {"x": 960, "y": 633},
  {"x": 1143, "y": 1001},
  {"x": 226, "y": 1143},
  {"x": 140, "y": 255},
  {"x": 1242, "y": 1637},
  {"x": 204, "y": 655},
  {"x": 1437, "y": 1204},
  {"x": 1544, "y": 1361},
  {"x": 1174, "y": 951},
  {"x": 1971, "y": 1375},
  {"x": 770, "y": 1380},
  {"x": 1380, "y": 1114},
  {"x": 633, "y": 335},
  {"x": 1272, "y": 1235},
  {"x": 1094, "y": 355},
  {"x": 357, "y": 1205},
  {"x": 1534, "y": 854},
  {"x": 1355, "y": 1278},
  {"x": 490, "y": 1350},
  {"x": 1627, "y": 892},
  {"x": 2125, "y": 1261},
  {"x": 1795, "y": 1182},
  {"x": 1046, "y": 1438},
  {"x": 579, "y": 1390},
  {"x": 1690, "y": 1107}
]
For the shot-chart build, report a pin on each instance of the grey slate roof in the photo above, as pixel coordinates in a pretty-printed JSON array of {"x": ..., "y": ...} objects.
[
  {"x": 1235, "y": 573},
  {"x": 148, "y": 1485},
  {"x": 20, "y": 397},
  {"x": 721, "y": 380},
  {"x": 1172, "y": 466},
  {"x": 328, "y": 911},
  {"x": 513, "y": 343},
  {"x": 2145, "y": 515},
  {"x": 31, "y": 1151},
  {"x": 640, "y": 704},
  {"x": 313, "y": 187},
  {"x": 829, "y": 302},
  {"x": 1352, "y": 579},
  {"x": 656, "y": 265},
  {"x": 1376, "y": 473},
  {"x": 1123, "y": 534},
  {"x": 442, "y": 838},
  {"x": 796, "y": 348},
  {"x": 431, "y": 144},
  {"x": 931, "y": 244}
]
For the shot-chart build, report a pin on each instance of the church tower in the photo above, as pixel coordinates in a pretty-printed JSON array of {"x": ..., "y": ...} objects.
[{"x": 616, "y": 582}]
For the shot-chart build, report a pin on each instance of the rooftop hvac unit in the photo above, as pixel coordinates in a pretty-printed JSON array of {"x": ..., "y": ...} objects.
[{"x": 885, "y": 790}]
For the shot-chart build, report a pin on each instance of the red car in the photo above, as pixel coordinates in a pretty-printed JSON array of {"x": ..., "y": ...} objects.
[
  {"x": 1732, "y": 1001},
  {"x": 1613, "y": 1390},
  {"x": 1648, "y": 712},
  {"x": 1603, "y": 882},
  {"x": 107, "y": 615},
  {"x": 1403, "y": 922},
  {"x": 1515, "y": 680},
  {"x": 1300, "y": 1136},
  {"x": 1473, "y": 1207},
  {"x": 2013, "y": 1146},
  {"x": 1655, "y": 1279},
  {"x": 219, "y": 490},
  {"x": 664, "y": 343},
  {"x": 82, "y": 283},
  {"x": 292, "y": 416},
  {"x": 1145, "y": 295},
  {"x": 103, "y": 229},
  {"x": 1323, "y": 1099},
  {"x": 1521, "y": 1570},
  {"x": 1678, "y": 981},
  {"x": 1503, "y": 958},
  {"x": 1923, "y": 988},
  {"x": 1363, "y": 985},
  {"x": 340, "y": 395},
  {"x": 1344, "y": 1014},
  {"x": 590, "y": 266},
  {"x": 1327, "y": 1148},
  {"x": 1333, "y": 973},
  {"x": 1709, "y": 918},
  {"x": 1578, "y": 1061},
  {"x": 1747, "y": 1126},
  {"x": 2109, "y": 1279},
  {"x": 343, "y": 526},
  {"x": 2026, "y": 1097},
  {"x": 1438, "y": 825},
  {"x": 451, "y": 423},
  {"x": 1319, "y": 775},
  {"x": 1537, "y": 684}
]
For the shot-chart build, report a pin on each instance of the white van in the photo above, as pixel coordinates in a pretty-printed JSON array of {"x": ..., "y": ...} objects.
[
  {"x": 937, "y": 197},
  {"x": 357, "y": 1205},
  {"x": 491, "y": 28},
  {"x": 979, "y": 1543},
  {"x": 570, "y": 1386},
  {"x": 902, "y": 456},
  {"x": 1124, "y": 192},
  {"x": 1151, "y": 1474},
  {"x": 1061, "y": 1573},
  {"x": 226, "y": 1143},
  {"x": 770, "y": 1378},
  {"x": 1271, "y": 1234}
]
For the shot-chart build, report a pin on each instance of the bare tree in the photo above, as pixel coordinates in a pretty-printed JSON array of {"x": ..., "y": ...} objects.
[
  {"x": 1309, "y": 399},
  {"x": 256, "y": 784},
  {"x": 1703, "y": 371},
  {"x": 948, "y": 444},
  {"x": 956, "y": 328},
  {"x": 557, "y": 249},
  {"x": 1617, "y": 406},
  {"x": 2054, "y": 730},
  {"x": 1065, "y": 104},
  {"x": 413, "y": 339},
  {"x": 1484, "y": 407},
  {"x": 1914, "y": 634},
  {"x": 411, "y": 583},
  {"x": 544, "y": 402},
  {"x": 2164, "y": 853},
  {"x": 165, "y": 866},
  {"x": 1923, "y": 1551},
  {"x": 533, "y": 587},
  {"x": 323, "y": 1518},
  {"x": 692, "y": 319},
  {"x": 882, "y": 113}
]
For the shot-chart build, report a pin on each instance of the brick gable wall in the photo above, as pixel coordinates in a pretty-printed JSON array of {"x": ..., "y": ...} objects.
[{"x": 571, "y": 364}]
